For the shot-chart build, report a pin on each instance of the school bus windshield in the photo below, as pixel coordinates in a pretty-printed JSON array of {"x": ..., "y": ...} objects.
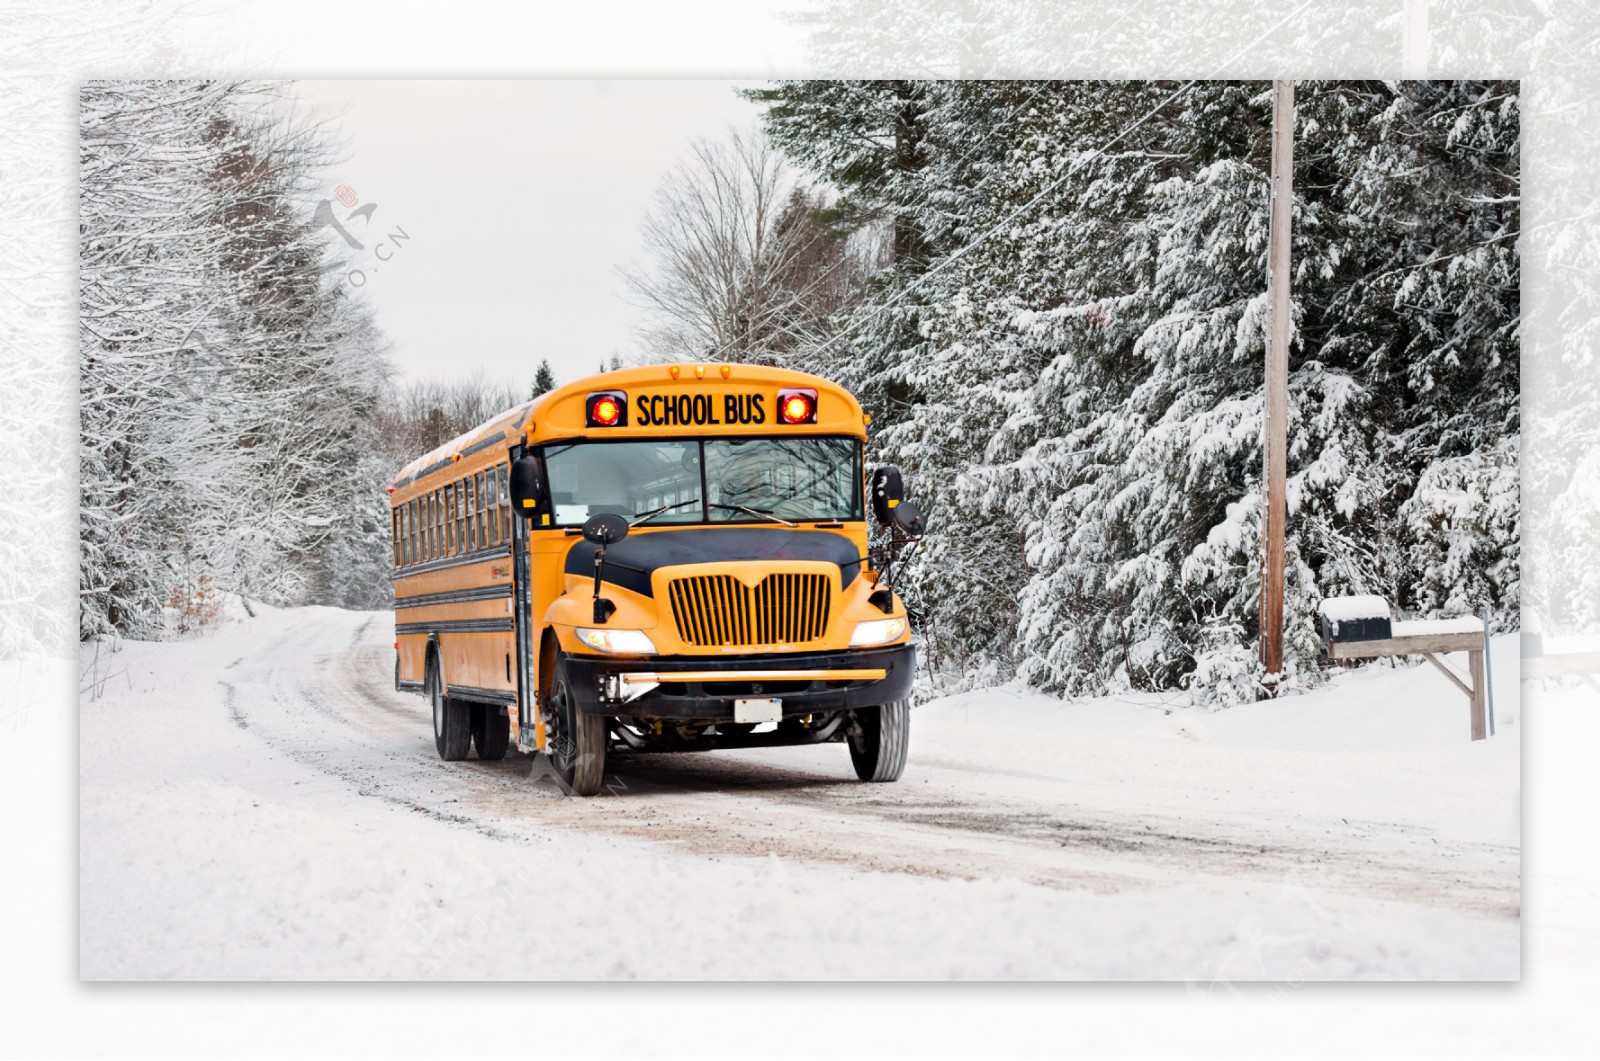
[{"x": 722, "y": 480}]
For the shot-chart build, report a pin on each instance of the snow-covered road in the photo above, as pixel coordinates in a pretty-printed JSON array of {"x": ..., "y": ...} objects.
[{"x": 260, "y": 802}]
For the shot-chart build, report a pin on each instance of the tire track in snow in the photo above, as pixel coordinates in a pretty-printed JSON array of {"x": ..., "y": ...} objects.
[{"x": 337, "y": 711}]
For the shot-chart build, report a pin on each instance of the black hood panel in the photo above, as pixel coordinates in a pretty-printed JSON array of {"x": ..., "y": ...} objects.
[{"x": 631, "y": 562}]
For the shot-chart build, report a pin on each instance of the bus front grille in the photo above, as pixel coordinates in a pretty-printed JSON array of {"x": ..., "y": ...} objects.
[{"x": 717, "y": 611}]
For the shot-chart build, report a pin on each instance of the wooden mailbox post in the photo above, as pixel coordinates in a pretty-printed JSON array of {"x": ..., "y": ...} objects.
[{"x": 1427, "y": 638}]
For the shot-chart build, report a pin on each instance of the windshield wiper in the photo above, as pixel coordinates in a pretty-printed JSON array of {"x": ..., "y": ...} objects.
[
  {"x": 757, "y": 512},
  {"x": 654, "y": 512}
]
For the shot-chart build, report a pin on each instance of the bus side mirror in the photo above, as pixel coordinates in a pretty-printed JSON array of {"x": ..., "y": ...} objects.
[
  {"x": 606, "y": 528},
  {"x": 908, "y": 520},
  {"x": 527, "y": 486},
  {"x": 888, "y": 490},
  {"x": 603, "y": 529}
]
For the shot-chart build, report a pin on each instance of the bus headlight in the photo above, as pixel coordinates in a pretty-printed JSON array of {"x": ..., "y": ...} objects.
[
  {"x": 877, "y": 632},
  {"x": 617, "y": 642}
]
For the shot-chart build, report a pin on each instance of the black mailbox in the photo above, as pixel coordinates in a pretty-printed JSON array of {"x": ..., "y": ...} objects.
[{"x": 1355, "y": 619}]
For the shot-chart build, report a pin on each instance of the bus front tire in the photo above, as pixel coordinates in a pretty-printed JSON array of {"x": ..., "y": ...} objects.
[
  {"x": 491, "y": 731},
  {"x": 878, "y": 748},
  {"x": 452, "y": 720},
  {"x": 578, "y": 752}
]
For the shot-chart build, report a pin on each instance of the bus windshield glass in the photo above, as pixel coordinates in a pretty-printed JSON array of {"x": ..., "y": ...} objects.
[{"x": 723, "y": 480}]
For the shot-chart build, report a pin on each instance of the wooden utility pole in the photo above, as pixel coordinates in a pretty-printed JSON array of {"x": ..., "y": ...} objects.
[{"x": 1275, "y": 440}]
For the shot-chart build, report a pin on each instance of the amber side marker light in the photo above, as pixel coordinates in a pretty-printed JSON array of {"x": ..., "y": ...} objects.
[{"x": 797, "y": 406}]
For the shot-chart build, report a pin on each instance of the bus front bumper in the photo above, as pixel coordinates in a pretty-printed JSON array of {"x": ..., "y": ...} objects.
[{"x": 704, "y": 690}]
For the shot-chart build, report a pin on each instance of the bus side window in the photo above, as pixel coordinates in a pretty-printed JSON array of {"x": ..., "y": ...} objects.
[
  {"x": 478, "y": 538},
  {"x": 491, "y": 517},
  {"x": 451, "y": 502},
  {"x": 478, "y": 502},
  {"x": 490, "y": 512},
  {"x": 486, "y": 508},
  {"x": 505, "y": 503},
  {"x": 474, "y": 503},
  {"x": 497, "y": 487},
  {"x": 410, "y": 532},
  {"x": 431, "y": 522},
  {"x": 458, "y": 541}
]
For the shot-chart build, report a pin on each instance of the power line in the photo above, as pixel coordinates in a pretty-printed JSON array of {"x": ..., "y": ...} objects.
[
  {"x": 987, "y": 234},
  {"x": 1077, "y": 163}
]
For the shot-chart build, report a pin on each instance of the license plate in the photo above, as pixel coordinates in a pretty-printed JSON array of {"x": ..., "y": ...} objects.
[{"x": 758, "y": 710}]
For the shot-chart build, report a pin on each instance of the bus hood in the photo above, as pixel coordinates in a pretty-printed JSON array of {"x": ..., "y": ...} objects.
[{"x": 631, "y": 562}]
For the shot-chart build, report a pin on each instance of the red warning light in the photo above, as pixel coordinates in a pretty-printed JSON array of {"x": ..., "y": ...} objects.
[
  {"x": 607, "y": 409},
  {"x": 797, "y": 406}
]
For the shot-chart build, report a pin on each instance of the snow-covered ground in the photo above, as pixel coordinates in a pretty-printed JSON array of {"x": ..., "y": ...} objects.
[{"x": 260, "y": 803}]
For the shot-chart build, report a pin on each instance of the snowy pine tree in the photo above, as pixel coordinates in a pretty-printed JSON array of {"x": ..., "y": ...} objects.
[
  {"x": 1071, "y": 364},
  {"x": 225, "y": 381},
  {"x": 544, "y": 379}
]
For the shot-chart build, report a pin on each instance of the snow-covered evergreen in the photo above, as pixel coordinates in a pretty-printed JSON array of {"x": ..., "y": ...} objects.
[
  {"x": 1068, "y": 358},
  {"x": 225, "y": 380}
]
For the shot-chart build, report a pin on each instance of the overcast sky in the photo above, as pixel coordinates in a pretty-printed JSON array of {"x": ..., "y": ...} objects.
[{"x": 520, "y": 200}]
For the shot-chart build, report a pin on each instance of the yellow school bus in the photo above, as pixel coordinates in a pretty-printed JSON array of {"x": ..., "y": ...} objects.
[{"x": 657, "y": 559}]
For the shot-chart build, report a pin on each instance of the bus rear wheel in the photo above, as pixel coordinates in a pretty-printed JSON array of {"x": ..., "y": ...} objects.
[
  {"x": 452, "y": 719},
  {"x": 491, "y": 731},
  {"x": 879, "y": 740},
  {"x": 578, "y": 747}
]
